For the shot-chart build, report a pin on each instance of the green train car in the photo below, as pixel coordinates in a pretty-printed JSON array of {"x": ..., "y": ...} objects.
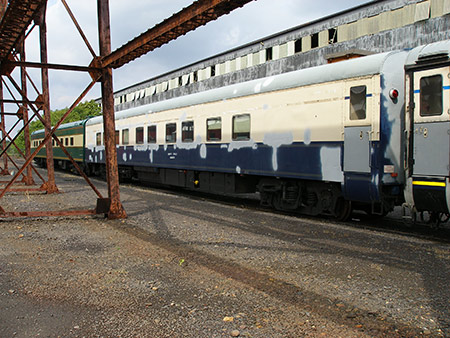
[{"x": 72, "y": 135}]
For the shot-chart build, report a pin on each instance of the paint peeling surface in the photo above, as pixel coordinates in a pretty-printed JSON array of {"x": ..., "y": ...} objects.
[
  {"x": 277, "y": 156},
  {"x": 330, "y": 159},
  {"x": 275, "y": 141}
]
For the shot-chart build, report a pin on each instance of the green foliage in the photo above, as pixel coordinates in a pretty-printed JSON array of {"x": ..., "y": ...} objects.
[{"x": 82, "y": 111}]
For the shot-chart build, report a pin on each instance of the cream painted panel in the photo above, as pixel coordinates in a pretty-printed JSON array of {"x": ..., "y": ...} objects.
[
  {"x": 446, "y": 7},
  {"x": 221, "y": 69},
  {"x": 408, "y": 14},
  {"x": 306, "y": 43},
  {"x": 227, "y": 66},
  {"x": 397, "y": 18},
  {"x": 244, "y": 61},
  {"x": 352, "y": 30},
  {"x": 238, "y": 62},
  {"x": 116, "y": 100},
  {"x": 290, "y": 48},
  {"x": 255, "y": 59},
  {"x": 262, "y": 56},
  {"x": 372, "y": 105},
  {"x": 150, "y": 91},
  {"x": 130, "y": 97},
  {"x": 173, "y": 83},
  {"x": 363, "y": 27},
  {"x": 422, "y": 11},
  {"x": 293, "y": 111},
  {"x": 275, "y": 52},
  {"x": 437, "y": 8},
  {"x": 249, "y": 60},
  {"x": 233, "y": 65},
  {"x": 373, "y": 24},
  {"x": 385, "y": 21},
  {"x": 342, "y": 33},
  {"x": 323, "y": 38}
]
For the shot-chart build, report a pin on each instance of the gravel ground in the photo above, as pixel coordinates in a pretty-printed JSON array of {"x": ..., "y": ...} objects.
[{"x": 187, "y": 266}]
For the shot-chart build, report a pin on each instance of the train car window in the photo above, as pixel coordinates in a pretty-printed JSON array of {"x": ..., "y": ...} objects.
[
  {"x": 171, "y": 132},
  {"x": 187, "y": 131},
  {"x": 98, "y": 139},
  {"x": 139, "y": 135},
  {"x": 358, "y": 102},
  {"x": 431, "y": 95},
  {"x": 241, "y": 127},
  {"x": 151, "y": 134},
  {"x": 66, "y": 141},
  {"x": 117, "y": 137},
  {"x": 71, "y": 141},
  {"x": 214, "y": 129},
  {"x": 125, "y": 136}
]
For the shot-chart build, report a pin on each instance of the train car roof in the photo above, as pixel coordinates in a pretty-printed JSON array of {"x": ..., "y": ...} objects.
[
  {"x": 434, "y": 50},
  {"x": 63, "y": 126},
  {"x": 363, "y": 66}
]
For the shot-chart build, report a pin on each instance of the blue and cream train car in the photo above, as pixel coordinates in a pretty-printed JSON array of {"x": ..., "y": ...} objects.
[{"x": 368, "y": 133}]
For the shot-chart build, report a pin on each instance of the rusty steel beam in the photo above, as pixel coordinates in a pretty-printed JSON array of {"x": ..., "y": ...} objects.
[
  {"x": 18, "y": 17},
  {"x": 77, "y": 25},
  {"x": 50, "y": 185},
  {"x": 52, "y": 134},
  {"x": 197, "y": 14},
  {"x": 4, "y": 214},
  {"x": 26, "y": 131},
  {"x": 20, "y": 153},
  {"x": 116, "y": 209},
  {"x": 54, "y": 66},
  {"x": 18, "y": 101},
  {"x": 5, "y": 170}
]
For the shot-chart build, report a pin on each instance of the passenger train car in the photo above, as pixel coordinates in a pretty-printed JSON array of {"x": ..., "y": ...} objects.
[{"x": 368, "y": 133}]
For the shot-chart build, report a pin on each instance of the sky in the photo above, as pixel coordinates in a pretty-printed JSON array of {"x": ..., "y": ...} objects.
[{"x": 129, "y": 18}]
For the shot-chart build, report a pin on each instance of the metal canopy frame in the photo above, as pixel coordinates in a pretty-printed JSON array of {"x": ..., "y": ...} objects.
[{"x": 22, "y": 15}]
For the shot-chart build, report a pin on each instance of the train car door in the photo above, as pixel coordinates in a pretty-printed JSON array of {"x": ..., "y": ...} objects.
[
  {"x": 429, "y": 143},
  {"x": 358, "y": 132}
]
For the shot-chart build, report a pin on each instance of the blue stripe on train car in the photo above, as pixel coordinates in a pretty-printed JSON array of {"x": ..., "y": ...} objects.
[{"x": 316, "y": 161}]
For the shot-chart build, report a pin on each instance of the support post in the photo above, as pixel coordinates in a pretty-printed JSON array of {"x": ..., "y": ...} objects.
[
  {"x": 26, "y": 132},
  {"x": 5, "y": 170},
  {"x": 50, "y": 185},
  {"x": 116, "y": 209}
]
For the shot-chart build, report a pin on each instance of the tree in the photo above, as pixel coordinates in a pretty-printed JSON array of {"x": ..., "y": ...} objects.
[{"x": 81, "y": 112}]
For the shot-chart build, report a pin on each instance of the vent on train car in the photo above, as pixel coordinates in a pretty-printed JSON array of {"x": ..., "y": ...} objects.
[{"x": 441, "y": 55}]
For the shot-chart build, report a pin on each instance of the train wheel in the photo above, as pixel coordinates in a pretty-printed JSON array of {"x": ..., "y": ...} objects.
[
  {"x": 343, "y": 209},
  {"x": 276, "y": 201}
]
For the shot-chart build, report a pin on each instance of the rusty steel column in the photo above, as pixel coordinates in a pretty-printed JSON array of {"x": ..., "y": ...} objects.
[
  {"x": 116, "y": 209},
  {"x": 28, "y": 180},
  {"x": 5, "y": 170},
  {"x": 50, "y": 185}
]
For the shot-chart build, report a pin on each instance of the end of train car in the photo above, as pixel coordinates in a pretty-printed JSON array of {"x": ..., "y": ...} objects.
[
  {"x": 71, "y": 135},
  {"x": 427, "y": 131}
]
